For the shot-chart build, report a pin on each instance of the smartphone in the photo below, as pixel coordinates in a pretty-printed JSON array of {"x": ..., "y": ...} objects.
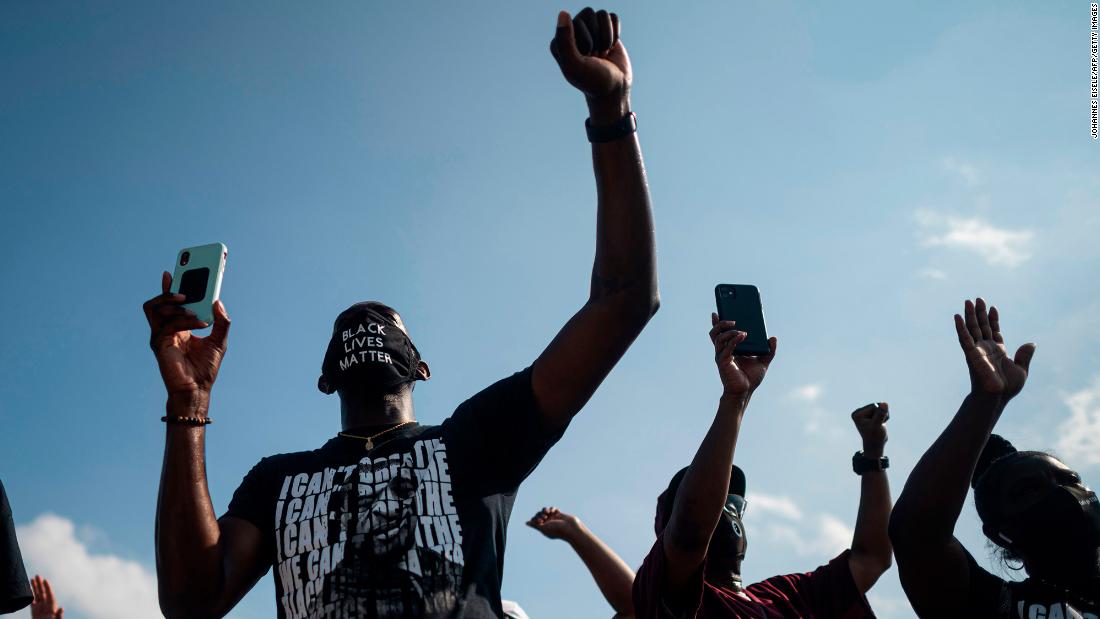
[
  {"x": 741, "y": 302},
  {"x": 198, "y": 277}
]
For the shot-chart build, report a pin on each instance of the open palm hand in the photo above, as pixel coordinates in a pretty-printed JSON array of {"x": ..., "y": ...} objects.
[{"x": 992, "y": 371}]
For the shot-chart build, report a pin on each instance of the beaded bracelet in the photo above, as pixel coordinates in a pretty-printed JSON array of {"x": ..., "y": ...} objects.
[{"x": 191, "y": 421}]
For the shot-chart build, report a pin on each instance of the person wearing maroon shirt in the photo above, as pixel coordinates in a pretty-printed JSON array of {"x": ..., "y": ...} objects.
[{"x": 694, "y": 568}]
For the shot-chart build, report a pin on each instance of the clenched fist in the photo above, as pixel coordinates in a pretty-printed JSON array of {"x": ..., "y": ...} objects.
[
  {"x": 871, "y": 421},
  {"x": 593, "y": 59}
]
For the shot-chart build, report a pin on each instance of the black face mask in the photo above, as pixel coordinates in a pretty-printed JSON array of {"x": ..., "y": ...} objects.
[
  {"x": 728, "y": 544},
  {"x": 1059, "y": 535},
  {"x": 368, "y": 349}
]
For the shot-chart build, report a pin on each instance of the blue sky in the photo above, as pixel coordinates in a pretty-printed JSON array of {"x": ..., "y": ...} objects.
[{"x": 868, "y": 166}]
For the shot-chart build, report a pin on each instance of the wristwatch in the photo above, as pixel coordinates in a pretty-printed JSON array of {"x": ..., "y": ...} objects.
[
  {"x": 862, "y": 464},
  {"x": 623, "y": 127}
]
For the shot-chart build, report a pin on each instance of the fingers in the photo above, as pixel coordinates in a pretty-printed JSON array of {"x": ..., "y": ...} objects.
[
  {"x": 604, "y": 34},
  {"x": 727, "y": 347},
  {"x": 47, "y": 590},
  {"x": 881, "y": 413},
  {"x": 564, "y": 45},
  {"x": 773, "y": 343},
  {"x": 724, "y": 338},
  {"x": 720, "y": 326},
  {"x": 60, "y": 614},
  {"x": 873, "y": 414},
  {"x": 995, "y": 325},
  {"x": 1023, "y": 356},
  {"x": 616, "y": 28},
  {"x": 863, "y": 412},
  {"x": 219, "y": 335},
  {"x": 972, "y": 321},
  {"x": 36, "y": 590},
  {"x": 965, "y": 340},
  {"x": 983, "y": 319},
  {"x": 584, "y": 25}
]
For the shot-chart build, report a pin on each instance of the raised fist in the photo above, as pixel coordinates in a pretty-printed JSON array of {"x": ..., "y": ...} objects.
[{"x": 593, "y": 59}]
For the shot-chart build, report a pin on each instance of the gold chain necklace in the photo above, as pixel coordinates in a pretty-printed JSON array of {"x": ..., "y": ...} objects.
[{"x": 370, "y": 439}]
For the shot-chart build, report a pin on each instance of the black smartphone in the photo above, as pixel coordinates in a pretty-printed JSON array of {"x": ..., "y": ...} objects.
[{"x": 741, "y": 302}]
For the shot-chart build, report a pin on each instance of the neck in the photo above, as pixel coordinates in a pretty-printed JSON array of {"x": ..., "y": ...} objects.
[
  {"x": 358, "y": 410},
  {"x": 1088, "y": 581}
]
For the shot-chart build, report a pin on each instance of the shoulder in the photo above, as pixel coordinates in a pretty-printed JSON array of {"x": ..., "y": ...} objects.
[{"x": 289, "y": 461}]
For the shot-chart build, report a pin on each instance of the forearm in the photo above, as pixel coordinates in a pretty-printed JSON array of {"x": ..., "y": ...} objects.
[
  {"x": 702, "y": 493},
  {"x": 612, "y": 575},
  {"x": 189, "y": 566},
  {"x": 871, "y": 541},
  {"x": 933, "y": 496},
  {"x": 625, "y": 267}
]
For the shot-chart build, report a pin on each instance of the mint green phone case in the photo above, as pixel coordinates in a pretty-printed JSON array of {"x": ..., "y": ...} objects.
[{"x": 198, "y": 275}]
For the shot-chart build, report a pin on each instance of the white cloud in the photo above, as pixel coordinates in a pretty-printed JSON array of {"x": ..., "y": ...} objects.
[
  {"x": 807, "y": 393},
  {"x": 833, "y": 535},
  {"x": 998, "y": 246},
  {"x": 828, "y": 537},
  {"x": 821, "y": 536},
  {"x": 778, "y": 505},
  {"x": 967, "y": 172},
  {"x": 930, "y": 273},
  {"x": 1080, "y": 434},
  {"x": 100, "y": 586}
]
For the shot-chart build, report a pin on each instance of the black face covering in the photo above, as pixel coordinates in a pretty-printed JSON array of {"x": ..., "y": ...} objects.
[
  {"x": 728, "y": 544},
  {"x": 369, "y": 349},
  {"x": 1059, "y": 535}
]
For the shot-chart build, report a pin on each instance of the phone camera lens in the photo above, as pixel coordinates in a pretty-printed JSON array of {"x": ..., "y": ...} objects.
[{"x": 185, "y": 257}]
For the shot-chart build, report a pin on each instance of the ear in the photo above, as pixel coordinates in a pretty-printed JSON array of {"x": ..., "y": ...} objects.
[
  {"x": 423, "y": 372},
  {"x": 323, "y": 386}
]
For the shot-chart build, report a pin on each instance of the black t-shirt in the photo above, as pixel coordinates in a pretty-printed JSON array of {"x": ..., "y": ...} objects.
[
  {"x": 15, "y": 589},
  {"x": 996, "y": 598},
  {"x": 412, "y": 528}
]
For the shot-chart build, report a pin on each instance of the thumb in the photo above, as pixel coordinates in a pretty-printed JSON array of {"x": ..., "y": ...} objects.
[
  {"x": 564, "y": 45},
  {"x": 1024, "y": 355},
  {"x": 220, "y": 332},
  {"x": 60, "y": 614}
]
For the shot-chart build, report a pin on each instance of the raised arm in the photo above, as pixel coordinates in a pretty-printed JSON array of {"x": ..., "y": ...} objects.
[
  {"x": 702, "y": 493},
  {"x": 932, "y": 563},
  {"x": 623, "y": 294},
  {"x": 871, "y": 551},
  {"x": 612, "y": 575},
  {"x": 203, "y": 567}
]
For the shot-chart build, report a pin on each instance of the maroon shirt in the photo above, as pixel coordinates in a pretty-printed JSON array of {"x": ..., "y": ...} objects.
[{"x": 827, "y": 592}]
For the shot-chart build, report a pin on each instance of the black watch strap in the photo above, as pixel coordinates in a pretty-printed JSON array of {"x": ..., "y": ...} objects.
[
  {"x": 862, "y": 464},
  {"x": 623, "y": 127}
]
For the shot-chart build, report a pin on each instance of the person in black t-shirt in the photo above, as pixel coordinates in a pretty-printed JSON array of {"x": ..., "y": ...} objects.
[
  {"x": 391, "y": 518},
  {"x": 1032, "y": 505}
]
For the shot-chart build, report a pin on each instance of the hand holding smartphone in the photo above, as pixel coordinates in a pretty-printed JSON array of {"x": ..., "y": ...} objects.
[
  {"x": 741, "y": 303},
  {"x": 198, "y": 277}
]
